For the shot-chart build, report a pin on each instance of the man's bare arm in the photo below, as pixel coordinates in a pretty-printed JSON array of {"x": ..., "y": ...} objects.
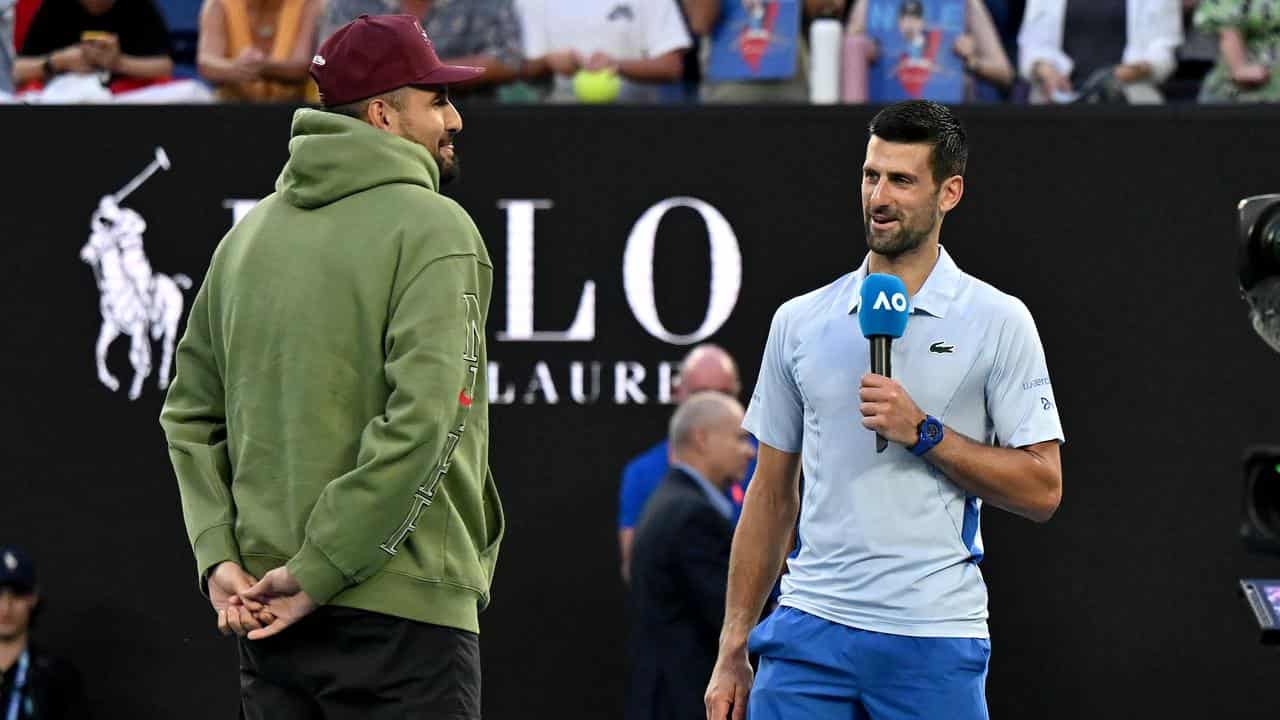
[
  {"x": 1026, "y": 480},
  {"x": 157, "y": 66},
  {"x": 759, "y": 549},
  {"x": 496, "y": 72},
  {"x": 663, "y": 68},
  {"x": 760, "y": 543},
  {"x": 702, "y": 15}
]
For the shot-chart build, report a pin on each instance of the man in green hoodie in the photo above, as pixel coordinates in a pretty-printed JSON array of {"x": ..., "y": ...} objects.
[{"x": 328, "y": 423}]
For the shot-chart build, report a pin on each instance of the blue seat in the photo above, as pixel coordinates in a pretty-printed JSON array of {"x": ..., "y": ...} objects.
[{"x": 180, "y": 15}]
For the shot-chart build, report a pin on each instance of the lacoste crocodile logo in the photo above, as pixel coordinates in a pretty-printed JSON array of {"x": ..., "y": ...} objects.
[{"x": 941, "y": 348}]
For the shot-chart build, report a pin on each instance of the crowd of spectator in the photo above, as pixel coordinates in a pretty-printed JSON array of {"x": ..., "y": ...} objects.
[{"x": 652, "y": 51}]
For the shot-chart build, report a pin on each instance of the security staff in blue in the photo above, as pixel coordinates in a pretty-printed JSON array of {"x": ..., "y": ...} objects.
[{"x": 884, "y": 612}]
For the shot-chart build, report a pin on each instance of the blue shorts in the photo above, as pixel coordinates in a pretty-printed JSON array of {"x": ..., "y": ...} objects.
[{"x": 813, "y": 668}]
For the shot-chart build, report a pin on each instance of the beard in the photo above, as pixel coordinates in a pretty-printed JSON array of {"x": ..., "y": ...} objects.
[
  {"x": 450, "y": 170},
  {"x": 908, "y": 236}
]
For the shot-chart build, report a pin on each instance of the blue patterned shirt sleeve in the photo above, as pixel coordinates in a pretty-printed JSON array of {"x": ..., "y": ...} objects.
[
  {"x": 476, "y": 27},
  {"x": 340, "y": 12},
  {"x": 503, "y": 37}
]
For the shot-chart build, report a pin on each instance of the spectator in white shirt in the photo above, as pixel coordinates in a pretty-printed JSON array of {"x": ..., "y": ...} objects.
[
  {"x": 1066, "y": 45},
  {"x": 644, "y": 41}
]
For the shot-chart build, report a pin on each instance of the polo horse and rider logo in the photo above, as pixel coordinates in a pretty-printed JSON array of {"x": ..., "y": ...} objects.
[{"x": 133, "y": 300}]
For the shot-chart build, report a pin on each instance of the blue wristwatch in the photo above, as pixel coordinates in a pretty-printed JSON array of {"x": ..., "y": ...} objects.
[{"x": 929, "y": 432}]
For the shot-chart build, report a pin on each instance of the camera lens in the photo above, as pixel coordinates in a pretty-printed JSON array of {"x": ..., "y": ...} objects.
[
  {"x": 1267, "y": 237},
  {"x": 1262, "y": 499}
]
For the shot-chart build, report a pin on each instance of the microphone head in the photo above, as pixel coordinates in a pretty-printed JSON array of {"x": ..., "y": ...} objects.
[{"x": 883, "y": 308}]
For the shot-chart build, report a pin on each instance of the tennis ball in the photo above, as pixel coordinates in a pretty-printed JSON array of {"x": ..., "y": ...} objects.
[{"x": 597, "y": 86}]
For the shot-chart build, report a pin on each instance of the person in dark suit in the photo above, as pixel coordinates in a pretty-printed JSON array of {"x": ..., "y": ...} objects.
[{"x": 680, "y": 561}]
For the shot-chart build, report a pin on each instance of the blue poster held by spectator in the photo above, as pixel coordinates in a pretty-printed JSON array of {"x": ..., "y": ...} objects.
[
  {"x": 916, "y": 41},
  {"x": 755, "y": 40}
]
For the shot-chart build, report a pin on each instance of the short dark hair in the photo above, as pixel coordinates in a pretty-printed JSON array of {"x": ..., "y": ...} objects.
[
  {"x": 357, "y": 109},
  {"x": 926, "y": 122}
]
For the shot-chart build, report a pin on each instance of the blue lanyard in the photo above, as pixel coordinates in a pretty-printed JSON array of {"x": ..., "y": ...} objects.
[{"x": 19, "y": 682}]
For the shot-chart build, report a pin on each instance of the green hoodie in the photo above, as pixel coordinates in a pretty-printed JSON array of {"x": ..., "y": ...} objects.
[{"x": 330, "y": 407}]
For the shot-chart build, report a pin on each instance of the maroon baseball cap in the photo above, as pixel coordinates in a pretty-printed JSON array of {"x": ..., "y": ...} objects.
[{"x": 374, "y": 54}]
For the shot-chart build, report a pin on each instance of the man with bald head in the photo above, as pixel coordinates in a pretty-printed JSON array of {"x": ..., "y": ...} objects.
[
  {"x": 706, "y": 368},
  {"x": 681, "y": 560}
]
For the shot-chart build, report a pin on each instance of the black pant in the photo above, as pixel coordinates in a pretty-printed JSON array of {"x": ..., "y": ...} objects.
[{"x": 339, "y": 663}]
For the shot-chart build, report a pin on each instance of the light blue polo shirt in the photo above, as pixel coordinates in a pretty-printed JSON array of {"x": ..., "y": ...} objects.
[{"x": 888, "y": 543}]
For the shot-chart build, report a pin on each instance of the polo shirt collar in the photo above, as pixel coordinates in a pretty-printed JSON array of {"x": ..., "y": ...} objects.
[{"x": 934, "y": 297}]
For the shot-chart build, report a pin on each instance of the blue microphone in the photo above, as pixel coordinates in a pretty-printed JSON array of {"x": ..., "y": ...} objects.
[{"x": 882, "y": 313}]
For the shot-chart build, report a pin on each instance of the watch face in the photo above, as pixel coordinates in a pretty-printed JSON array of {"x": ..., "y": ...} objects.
[{"x": 932, "y": 431}]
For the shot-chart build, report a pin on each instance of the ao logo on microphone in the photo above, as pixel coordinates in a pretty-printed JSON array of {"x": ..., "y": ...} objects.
[{"x": 884, "y": 302}]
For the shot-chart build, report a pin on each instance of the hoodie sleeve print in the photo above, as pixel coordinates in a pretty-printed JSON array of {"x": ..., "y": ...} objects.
[
  {"x": 195, "y": 427},
  {"x": 433, "y": 346}
]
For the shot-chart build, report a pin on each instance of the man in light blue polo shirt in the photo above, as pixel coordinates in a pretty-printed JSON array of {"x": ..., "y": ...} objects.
[{"x": 884, "y": 612}]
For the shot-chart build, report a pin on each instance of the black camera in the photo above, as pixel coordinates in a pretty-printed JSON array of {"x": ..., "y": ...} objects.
[
  {"x": 1259, "y": 264},
  {"x": 1259, "y": 276},
  {"x": 1259, "y": 240},
  {"x": 1260, "y": 506}
]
